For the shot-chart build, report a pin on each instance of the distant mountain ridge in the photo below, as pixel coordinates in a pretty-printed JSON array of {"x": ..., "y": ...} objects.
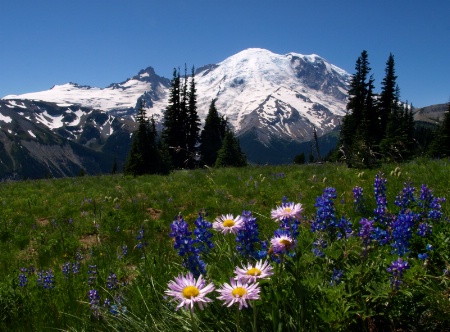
[
  {"x": 283, "y": 96},
  {"x": 273, "y": 102}
]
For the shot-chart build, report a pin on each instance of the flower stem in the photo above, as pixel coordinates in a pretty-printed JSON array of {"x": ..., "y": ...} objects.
[{"x": 194, "y": 326}]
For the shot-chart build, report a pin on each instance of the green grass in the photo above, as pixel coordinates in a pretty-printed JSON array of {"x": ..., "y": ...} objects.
[{"x": 46, "y": 223}]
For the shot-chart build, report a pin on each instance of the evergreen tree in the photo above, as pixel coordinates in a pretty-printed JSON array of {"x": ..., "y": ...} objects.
[
  {"x": 135, "y": 163},
  {"x": 144, "y": 156},
  {"x": 440, "y": 146},
  {"x": 358, "y": 132},
  {"x": 193, "y": 125},
  {"x": 212, "y": 135},
  {"x": 174, "y": 122},
  {"x": 230, "y": 154},
  {"x": 389, "y": 96},
  {"x": 181, "y": 122}
]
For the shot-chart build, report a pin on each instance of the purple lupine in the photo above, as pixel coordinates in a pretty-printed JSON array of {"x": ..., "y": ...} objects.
[
  {"x": 358, "y": 199},
  {"x": 325, "y": 215},
  {"x": 406, "y": 198},
  {"x": 203, "y": 235},
  {"x": 365, "y": 232},
  {"x": 23, "y": 280},
  {"x": 318, "y": 245},
  {"x": 186, "y": 246},
  {"x": 248, "y": 242},
  {"x": 65, "y": 268},
  {"x": 94, "y": 300},
  {"x": 431, "y": 205},
  {"x": 46, "y": 279},
  {"x": 141, "y": 238},
  {"x": 435, "y": 212},
  {"x": 402, "y": 232},
  {"x": 92, "y": 272},
  {"x": 344, "y": 227},
  {"x": 381, "y": 236},
  {"x": 111, "y": 282},
  {"x": 326, "y": 220},
  {"x": 124, "y": 252},
  {"x": 75, "y": 267},
  {"x": 336, "y": 277},
  {"x": 396, "y": 269},
  {"x": 380, "y": 198},
  {"x": 424, "y": 229}
]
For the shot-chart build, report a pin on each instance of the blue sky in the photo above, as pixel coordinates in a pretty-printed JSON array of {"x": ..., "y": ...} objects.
[{"x": 98, "y": 42}]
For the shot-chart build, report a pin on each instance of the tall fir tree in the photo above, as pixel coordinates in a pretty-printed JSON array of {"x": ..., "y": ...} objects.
[
  {"x": 144, "y": 156},
  {"x": 357, "y": 135},
  {"x": 440, "y": 146},
  {"x": 181, "y": 122},
  {"x": 174, "y": 122},
  {"x": 389, "y": 96},
  {"x": 193, "y": 123},
  {"x": 212, "y": 135},
  {"x": 230, "y": 154}
]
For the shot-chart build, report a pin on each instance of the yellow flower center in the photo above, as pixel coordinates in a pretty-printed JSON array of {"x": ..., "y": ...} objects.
[
  {"x": 254, "y": 272},
  {"x": 190, "y": 291},
  {"x": 285, "y": 242},
  {"x": 288, "y": 209},
  {"x": 228, "y": 223},
  {"x": 239, "y": 292}
]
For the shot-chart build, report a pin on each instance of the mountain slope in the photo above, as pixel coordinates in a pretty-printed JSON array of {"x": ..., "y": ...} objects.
[
  {"x": 270, "y": 100},
  {"x": 40, "y": 139}
]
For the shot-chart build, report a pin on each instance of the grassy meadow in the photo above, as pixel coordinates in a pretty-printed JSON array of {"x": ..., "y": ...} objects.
[{"x": 61, "y": 239}]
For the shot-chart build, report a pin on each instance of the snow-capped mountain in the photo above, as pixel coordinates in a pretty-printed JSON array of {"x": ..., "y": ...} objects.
[
  {"x": 40, "y": 139},
  {"x": 281, "y": 96},
  {"x": 267, "y": 98}
]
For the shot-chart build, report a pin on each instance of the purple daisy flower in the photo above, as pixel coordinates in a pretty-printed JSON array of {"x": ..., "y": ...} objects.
[
  {"x": 287, "y": 210},
  {"x": 188, "y": 291},
  {"x": 253, "y": 272},
  {"x": 238, "y": 292},
  {"x": 228, "y": 224}
]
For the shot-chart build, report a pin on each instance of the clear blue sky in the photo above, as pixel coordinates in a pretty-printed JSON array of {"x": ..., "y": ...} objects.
[{"x": 98, "y": 42}]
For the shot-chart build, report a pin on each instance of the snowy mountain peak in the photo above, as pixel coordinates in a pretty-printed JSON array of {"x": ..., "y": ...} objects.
[{"x": 277, "y": 96}]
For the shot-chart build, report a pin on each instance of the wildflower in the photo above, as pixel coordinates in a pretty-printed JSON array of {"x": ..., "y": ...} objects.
[
  {"x": 287, "y": 210},
  {"x": 188, "y": 291},
  {"x": 336, "y": 277},
  {"x": 380, "y": 198},
  {"x": 365, "y": 232},
  {"x": 422, "y": 257},
  {"x": 111, "y": 282},
  {"x": 141, "y": 237},
  {"x": 92, "y": 272},
  {"x": 396, "y": 269},
  {"x": 282, "y": 243},
  {"x": 202, "y": 234},
  {"x": 254, "y": 272},
  {"x": 187, "y": 247},
  {"x": 46, "y": 279},
  {"x": 318, "y": 245},
  {"x": 247, "y": 238},
  {"x": 94, "y": 300},
  {"x": 325, "y": 215},
  {"x": 424, "y": 229},
  {"x": 65, "y": 268},
  {"x": 238, "y": 292},
  {"x": 75, "y": 267},
  {"x": 402, "y": 233},
  {"x": 406, "y": 197},
  {"x": 23, "y": 280},
  {"x": 228, "y": 224},
  {"x": 358, "y": 199}
]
